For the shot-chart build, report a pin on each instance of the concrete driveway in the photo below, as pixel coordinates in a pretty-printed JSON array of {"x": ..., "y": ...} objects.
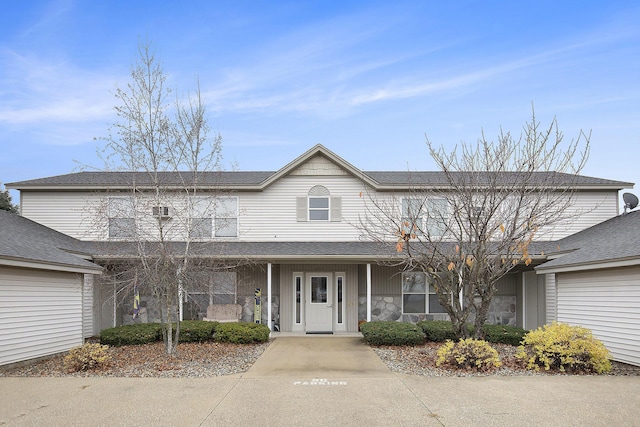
[{"x": 321, "y": 381}]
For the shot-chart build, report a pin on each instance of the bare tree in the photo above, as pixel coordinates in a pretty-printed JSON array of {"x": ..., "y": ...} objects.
[
  {"x": 168, "y": 149},
  {"x": 468, "y": 231}
]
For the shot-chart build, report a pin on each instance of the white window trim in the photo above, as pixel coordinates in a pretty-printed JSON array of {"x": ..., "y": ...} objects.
[
  {"x": 119, "y": 215},
  {"x": 427, "y": 294},
  {"x": 298, "y": 326},
  {"x": 327, "y": 209},
  {"x": 236, "y": 217},
  {"x": 340, "y": 326}
]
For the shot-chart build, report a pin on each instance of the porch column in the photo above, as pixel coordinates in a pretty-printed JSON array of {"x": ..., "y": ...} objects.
[
  {"x": 524, "y": 301},
  {"x": 269, "y": 295},
  {"x": 368, "y": 292}
]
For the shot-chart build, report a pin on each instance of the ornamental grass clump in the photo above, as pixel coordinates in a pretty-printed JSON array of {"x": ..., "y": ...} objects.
[
  {"x": 564, "y": 348},
  {"x": 87, "y": 357},
  {"x": 468, "y": 354}
]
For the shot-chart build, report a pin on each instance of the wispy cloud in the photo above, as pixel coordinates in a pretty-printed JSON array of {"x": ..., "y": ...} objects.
[
  {"x": 37, "y": 91},
  {"x": 329, "y": 76}
]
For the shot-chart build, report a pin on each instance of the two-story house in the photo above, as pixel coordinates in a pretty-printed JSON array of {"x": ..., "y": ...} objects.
[{"x": 291, "y": 234}]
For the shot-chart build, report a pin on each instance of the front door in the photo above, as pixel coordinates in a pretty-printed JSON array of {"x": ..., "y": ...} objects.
[{"x": 319, "y": 298}]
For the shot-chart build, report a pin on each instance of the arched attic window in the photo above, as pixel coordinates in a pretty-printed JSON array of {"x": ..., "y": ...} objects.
[{"x": 319, "y": 205}]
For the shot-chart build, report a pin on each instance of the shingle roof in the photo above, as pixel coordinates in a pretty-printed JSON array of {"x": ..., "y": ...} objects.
[
  {"x": 115, "y": 179},
  {"x": 437, "y": 178},
  {"x": 241, "y": 180},
  {"x": 25, "y": 240},
  {"x": 615, "y": 239},
  {"x": 256, "y": 250}
]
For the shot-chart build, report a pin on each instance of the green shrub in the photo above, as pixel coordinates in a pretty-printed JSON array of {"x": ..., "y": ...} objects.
[
  {"x": 441, "y": 330},
  {"x": 501, "y": 334},
  {"x": 197, "y": 330},
  {"x": 145, "y": 333},
  {"x": 437, "y": 330},
  {"x": 469, "y": 354},
  {"x": 242, "y": 333},
  {"x": 564, "y": 348},
  {"x": 392, "y": 333},
  {"x": 87, "y": 357},
  {"x": 140, "y": 333}
]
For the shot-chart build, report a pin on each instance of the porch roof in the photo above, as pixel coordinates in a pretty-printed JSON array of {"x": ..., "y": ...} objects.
[{"x": 274, "y": 251}]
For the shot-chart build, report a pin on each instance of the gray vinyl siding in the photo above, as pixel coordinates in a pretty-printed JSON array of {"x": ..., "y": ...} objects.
[
  {"x": 40, "y": 313},
  {"x": 250, "y": 278},
  {"x": 534, "y": 301},
  {"x": 385, "y": 281},
  {"x": 608, "y": 303},
  {"x": 551, "y": 298}
]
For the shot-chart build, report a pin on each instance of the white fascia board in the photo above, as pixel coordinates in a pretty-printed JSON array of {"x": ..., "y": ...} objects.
[
  {"x": 627, "y": 262},
  {"x": 10, "y": 262}
]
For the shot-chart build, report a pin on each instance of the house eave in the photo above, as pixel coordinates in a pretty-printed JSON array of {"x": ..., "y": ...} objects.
[
  {"x": 622, "y": 262},
  {"x": 42, "y": 265}
]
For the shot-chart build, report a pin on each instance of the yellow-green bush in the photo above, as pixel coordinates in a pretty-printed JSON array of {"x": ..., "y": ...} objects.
[
  {"x": 564, "y": 348},
  {"x": 87, "y": 357},
  {"x": 469, "y": 354}
]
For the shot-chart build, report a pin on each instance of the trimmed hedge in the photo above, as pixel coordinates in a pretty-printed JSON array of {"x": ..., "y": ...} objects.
[
  {"x": 441, "y": 330},
  {"x": 140, "y": 333},
  {"x": 437, "y": 330},
  {"x": 197, "y": 330},
  {"x": 392, "y": 333},
  {"x": 242, "y": 333},
  {"x": 145, "y": 333},
  {"x": 500, "y": 334}
]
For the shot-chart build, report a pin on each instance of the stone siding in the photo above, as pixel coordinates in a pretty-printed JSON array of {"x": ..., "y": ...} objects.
[{"x": 502, "y": 310}]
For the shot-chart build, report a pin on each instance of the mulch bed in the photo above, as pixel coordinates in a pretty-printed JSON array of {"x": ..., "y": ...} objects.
[
  {"x": 421, "y": 360},
  {"x": 211, "y": 359},
  {"x": 207, "y": 359}
]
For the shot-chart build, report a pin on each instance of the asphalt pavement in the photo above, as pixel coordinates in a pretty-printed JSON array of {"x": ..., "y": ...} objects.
[{"x": 321, "y": 381}]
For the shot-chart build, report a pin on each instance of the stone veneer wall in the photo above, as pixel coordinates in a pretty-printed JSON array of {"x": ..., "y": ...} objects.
[
  {"x": 502, "y": 310},
  {"x": 248, "y": 303}
]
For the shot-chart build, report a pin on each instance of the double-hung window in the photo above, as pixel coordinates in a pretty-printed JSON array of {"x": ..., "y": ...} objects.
[
  {"x": 226, "y": 217},
  {"x": 412, "y": 221},
  {"x": 122, "y": 222},
  {"x": 214, "y": 217},
  {"x": 437, "y": 216},
  {"x": 201, "y": 226},
  {"x": 418, "y": 296},
  {"x": 424, "y": 216},
  {"x": 318, "y": 208}
]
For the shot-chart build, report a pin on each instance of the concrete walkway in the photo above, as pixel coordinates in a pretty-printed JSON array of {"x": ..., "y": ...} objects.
[{"x": 321, "y": 381}]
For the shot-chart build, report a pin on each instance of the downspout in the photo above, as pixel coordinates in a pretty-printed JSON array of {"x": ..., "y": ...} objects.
[
  {"x": 269, "y": 296},
  {"x": 368, "y": 292}
]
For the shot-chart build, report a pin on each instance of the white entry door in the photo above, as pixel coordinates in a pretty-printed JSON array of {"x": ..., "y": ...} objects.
[{"x": 319, "y": 299}]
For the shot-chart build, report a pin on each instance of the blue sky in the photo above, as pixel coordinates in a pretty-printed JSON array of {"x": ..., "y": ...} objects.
[{"x": 367, "y": 79}]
